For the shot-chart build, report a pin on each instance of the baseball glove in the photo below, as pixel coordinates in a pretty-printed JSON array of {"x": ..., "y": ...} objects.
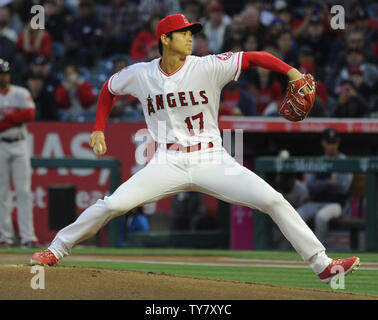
[{"x": 299, "y": 98}]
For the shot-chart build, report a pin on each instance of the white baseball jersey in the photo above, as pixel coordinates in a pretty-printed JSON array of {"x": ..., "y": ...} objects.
[
  {"x": 16, "y": 99},
  {"x": 181, "y": 107}
]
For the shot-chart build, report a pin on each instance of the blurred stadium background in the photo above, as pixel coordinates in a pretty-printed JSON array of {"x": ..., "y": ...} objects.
[{"x": 90, "y": 40}]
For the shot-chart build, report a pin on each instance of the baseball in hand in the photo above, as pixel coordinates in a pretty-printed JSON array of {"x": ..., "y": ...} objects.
[{"x": 97, "y": 149}]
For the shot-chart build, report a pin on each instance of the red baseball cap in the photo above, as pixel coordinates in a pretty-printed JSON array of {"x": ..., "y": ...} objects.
[{"x": 176, "y": 22}]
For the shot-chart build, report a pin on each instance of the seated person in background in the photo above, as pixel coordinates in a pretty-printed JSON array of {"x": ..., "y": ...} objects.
[
  {"x": 34, "y": 42},
  {"x": 328, "y": 191},
  {"x": 138, "y": 221},
  {"x": 237, "y": 101},
  {"x": 8, "y": 36},
  {"x": 84, "y": 35},
  {"x": 45, "y": 103},
  {"x": 121, "y": 22},
  {"x": 41, "y": 65},
  {"x": 265, "y": 89},
  {"x": 351, "y": 102},
  {"x": 292, "y": 188},
  {"x": 74, "y": 95},
  {"x": 234, "y": 33},
  {"x": 201, "y": 46},
  {"x": 139, "y": 46}
]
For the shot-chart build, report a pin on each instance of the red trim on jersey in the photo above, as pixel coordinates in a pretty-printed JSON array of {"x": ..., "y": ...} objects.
[
  {"x": 172, "y": 73},
  {"x": 237, "y": 69},
  {"x": 104, "y": 106},
  {"x": 6, "y": 125},
  {"x": 110, "y": 85},
  {"x": 265, "y": 60},
  {"x": 5, "y": 92}
]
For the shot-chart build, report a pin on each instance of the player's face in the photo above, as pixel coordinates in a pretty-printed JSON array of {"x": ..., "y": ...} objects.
[
  {"x": 330, "y": 149},
  {"x": 182, "y": 42},
  {"x": 4, "y": 80}
]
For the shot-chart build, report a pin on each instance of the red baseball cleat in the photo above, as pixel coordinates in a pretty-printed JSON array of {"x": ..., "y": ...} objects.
[
  {"x": 45, "y": 257},
  {"x": 339, "y": 265}
]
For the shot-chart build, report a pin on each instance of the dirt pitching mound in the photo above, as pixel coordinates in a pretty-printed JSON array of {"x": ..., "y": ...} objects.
[{"x": 88, "y": 283}]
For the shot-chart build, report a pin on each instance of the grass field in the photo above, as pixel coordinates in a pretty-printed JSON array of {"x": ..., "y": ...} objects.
[{"x": 365, "y": 280}]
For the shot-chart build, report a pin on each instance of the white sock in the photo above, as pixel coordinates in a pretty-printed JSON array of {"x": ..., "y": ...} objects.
[{"x": 319, "y": 262}]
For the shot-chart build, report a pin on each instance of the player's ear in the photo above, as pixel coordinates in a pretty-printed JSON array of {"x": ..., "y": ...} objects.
[{"x": 164, "y": 39}]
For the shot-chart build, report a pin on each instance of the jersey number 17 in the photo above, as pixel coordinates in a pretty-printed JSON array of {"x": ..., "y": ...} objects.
[{"x": 188, "y": 121}]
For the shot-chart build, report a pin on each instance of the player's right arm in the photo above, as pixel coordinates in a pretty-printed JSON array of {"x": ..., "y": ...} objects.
[
  {"x": 104, "y": 106},
  {"x": 120, "y": 83}
]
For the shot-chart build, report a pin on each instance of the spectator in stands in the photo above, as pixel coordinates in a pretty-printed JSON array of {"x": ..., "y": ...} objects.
[
  {"x": 358, "y": 82},
  {"x": 127, "y": 106},
  {"x": 362, "y": 23},
  {"x": 318, "y": 40},
  {"x": 84, "y": 36},
  {"x": 64, "y": 10},
  {"x": 34, "y": 42},
  {"x": 356, "y": 59},
  {"x": 74, "y": 95},
  {"x": 310, "y": 9},
  {"x": 121, "y": 22},
  {"x": 8, "y": 36},
  {"x": 354, "y": 40},
  {"x": 201, "y": 45},
  {"x": 22, "y": 9},
  {"x": 234, "y": 33},
  {"x": 192, "y": 10},
  {"x": 253, "y": 25},
  {"x": 250, "y": 43},
  {"x": 282, "y": 12},
  {"x": 55, "y": 22},
  {"x": 235, "y": 100},
  {"x": 152, "y": 51},
  {"x": 5, "y": 29},
  {"x": 45, "y": 103},
  {"x": 306, "y": 65},
  {"x": 285, "y": 46},
  {"x": 274, "y": 29},
  {"x": 15, "y": 23},
  {"x": 351, "y": 103},
  {"x": 265, "y": 89},
  {"x": 328, "y": 190},
  {"x": 145, "y": 37},
  {"x": 215, "y": 27},
  {"x": 149, "y": 8},
  {"x": 43, "y": 66},
  {"x": 290, "y": 185},
  {"x": 138, "y": 221}
]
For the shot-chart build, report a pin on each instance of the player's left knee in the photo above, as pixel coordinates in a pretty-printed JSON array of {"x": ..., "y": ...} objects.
[{"x": 274, "y": 201}]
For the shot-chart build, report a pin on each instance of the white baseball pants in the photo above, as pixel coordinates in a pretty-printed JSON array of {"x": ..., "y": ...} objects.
[
  {"x": 15, "y": 164},
  {"x": 211, "y": 171}
]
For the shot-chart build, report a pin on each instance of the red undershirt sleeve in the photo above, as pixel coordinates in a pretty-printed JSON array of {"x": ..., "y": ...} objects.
[
  {"x": 264, "y": 60},
  {"x": 20, "y": 116},
  {"x": 5, "y": 125},
  {"x": 104, "y": 107}
]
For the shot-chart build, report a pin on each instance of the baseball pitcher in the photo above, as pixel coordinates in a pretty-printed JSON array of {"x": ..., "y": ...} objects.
[{"x": 180, "y": 96}]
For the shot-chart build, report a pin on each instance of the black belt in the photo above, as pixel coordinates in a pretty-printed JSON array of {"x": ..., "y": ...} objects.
[{"x": 10, "y": 140}]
